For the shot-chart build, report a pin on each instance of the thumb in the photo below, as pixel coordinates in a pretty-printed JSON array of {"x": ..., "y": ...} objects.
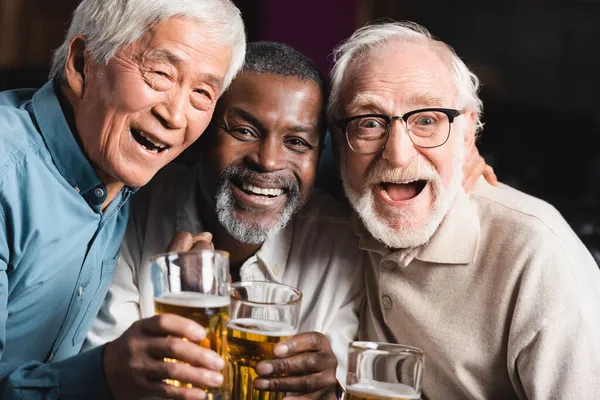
[
  {"x": 202, "y": 241},
  {"x": 181, "y": 242}
]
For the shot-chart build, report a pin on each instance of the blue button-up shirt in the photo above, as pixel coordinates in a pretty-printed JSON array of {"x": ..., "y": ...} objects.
[{"x": 57, "y": 251}]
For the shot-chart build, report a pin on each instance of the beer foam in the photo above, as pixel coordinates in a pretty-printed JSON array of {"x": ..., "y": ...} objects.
[
  {"x": 193, "y": 299},
  {"x": 262, "y": 327},
  {"x": 383, "y": 390}
]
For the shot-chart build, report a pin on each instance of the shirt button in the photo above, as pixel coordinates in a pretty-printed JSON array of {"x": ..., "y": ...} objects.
[
  {"x": 386, "y": 301},
  {"x": 76, "y": 188},
  {"x": 79, "y": 291},
  {"x": 388, "y": 265},
  {"x": 276, "y": 271},
  {"x": 98, "y": 192}
]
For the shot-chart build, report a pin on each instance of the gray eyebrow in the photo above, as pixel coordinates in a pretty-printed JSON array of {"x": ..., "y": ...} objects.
[
  {"x": 368, "y": 100},
  {"x": 165, "y": 55},
  {"x": 425, "y": 99},
  {"x": 162, "y": 54}
]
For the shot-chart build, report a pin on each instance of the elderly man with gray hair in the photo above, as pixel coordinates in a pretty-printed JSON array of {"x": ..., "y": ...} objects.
[
  {"x": 495, "y": 287},
  {"x": 134, "y": 83}
]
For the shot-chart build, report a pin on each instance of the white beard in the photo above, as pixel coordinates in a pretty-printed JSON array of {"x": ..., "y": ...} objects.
[
  {"x": 402, "y": 232},
  {"x": 244, "y": 231}
]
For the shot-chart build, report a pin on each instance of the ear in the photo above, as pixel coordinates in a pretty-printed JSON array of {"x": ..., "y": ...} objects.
[
  {"x": 75, "y": 66},
  {"x": 470, "y": 117}
]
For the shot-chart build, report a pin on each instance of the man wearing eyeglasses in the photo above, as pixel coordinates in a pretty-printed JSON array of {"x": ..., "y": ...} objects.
[{"x": 496, "y": 288}]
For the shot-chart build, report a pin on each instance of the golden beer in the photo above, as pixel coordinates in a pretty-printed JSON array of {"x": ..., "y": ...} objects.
[
  {"x": 380, "y": 391},
  {"x": 210, "y": 311},
  {"x": 251, "y": 341}
]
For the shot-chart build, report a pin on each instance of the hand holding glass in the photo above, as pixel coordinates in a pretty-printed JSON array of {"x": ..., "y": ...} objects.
[
  {"x": 262, "y": 314},
  {"x": 195, "y": 285}
]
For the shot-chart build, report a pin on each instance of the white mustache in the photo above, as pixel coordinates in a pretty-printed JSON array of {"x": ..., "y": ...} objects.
[{"x": 418, "y": 169}]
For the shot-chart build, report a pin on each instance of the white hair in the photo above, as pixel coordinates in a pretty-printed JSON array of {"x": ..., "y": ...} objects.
[
  {"x": 108, "y": 25},
  {"x": 373, "y": 38}
]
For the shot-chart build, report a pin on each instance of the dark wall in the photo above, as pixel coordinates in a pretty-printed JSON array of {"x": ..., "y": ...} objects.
[
  {"x": 313, "y": 27},
  {"x": 29, "y": 31}
]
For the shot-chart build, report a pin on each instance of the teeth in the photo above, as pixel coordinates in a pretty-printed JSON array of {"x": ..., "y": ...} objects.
[
  {"x": 154, "y": 142},
  {"x": 150, "y": 150},
  {"x": 401, "y": 182},
  {"x": 257, "y": 190}
]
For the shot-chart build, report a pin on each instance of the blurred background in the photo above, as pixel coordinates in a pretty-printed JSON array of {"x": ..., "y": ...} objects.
[{"x": 538, "y": 61}]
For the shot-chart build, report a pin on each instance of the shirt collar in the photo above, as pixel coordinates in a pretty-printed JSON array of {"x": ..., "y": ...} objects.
[
  {"x": 66, "y": 153},
  {"x": 454, "y": 242},
  {"x": 275, "y": 251}
]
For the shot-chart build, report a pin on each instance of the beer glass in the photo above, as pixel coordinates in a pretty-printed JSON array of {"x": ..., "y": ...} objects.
[
  {"x": 262, "y": 314},
  {"x": 195, "y": 285},
  {"x": 383, "y": 371}
]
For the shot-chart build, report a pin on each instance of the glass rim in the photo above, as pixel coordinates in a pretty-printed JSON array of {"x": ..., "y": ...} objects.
[
  {"x": 155, "y": 257},
  {"x": 387, "y": 347},
  {"x": 248, "y": 283}
]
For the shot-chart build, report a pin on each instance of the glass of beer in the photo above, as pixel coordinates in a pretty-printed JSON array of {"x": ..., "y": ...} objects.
[
  {"x": 383, "y": 371},
  {"x": 262, "y": 314},
  {"x": 195, "y": 285}
]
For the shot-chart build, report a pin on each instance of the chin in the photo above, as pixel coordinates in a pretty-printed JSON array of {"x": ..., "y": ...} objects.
[
  {"x": 400, "y": 228},
  {"x": 248, "y": 232},
  {"x": 262, "y": 219},
  {"x": 135, "y": 177},
  {"x": 400, "y": 234}
]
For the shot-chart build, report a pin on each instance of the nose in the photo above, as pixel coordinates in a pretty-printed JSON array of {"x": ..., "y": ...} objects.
[
  {"x": 269, "y": 155},
  {"x": 399, "y": 149},
  {"x": 172, "y": 111}
]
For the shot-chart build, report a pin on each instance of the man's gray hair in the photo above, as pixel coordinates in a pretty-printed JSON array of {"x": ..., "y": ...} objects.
[
  {"x": 109, "y": 25},
  {"x": 373, "y": 38},
  {"x": 280, "y": 59}
]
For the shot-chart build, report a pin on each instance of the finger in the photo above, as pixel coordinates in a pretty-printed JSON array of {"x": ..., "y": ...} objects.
[
  {"x": 300, "y": 384},
  {"x": 185, "y": 351},
  {"x": 321, "y": 395},
  {"x": 181, "y": 242},
  {"x": 203, "y": 237},
  {"x": 303, "y": 342},
  {"x": 166, "y": 391},
  {"x": 472, "y": 173},
  {"x": 298, "y": 398},
  {"x": 202, "y": 245},
  {"x": 175, "y": 325},
  {"x": 470, "y": 180},
  {"x": 300, "y": 364},
  {"x": 179, "y": 371},
  {"x": 470, "y": 164},
  {"x": 490, "y": 175}
]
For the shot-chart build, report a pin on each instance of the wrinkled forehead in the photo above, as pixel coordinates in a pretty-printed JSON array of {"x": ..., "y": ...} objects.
[{"x": 399, "y": 76}]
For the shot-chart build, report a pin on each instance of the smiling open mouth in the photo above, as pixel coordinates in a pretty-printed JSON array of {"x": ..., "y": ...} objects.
[
  {"x": 267, "y": 192},
  {"x": 402, "y": 191},
  {"x": 150, "y": 144}
]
